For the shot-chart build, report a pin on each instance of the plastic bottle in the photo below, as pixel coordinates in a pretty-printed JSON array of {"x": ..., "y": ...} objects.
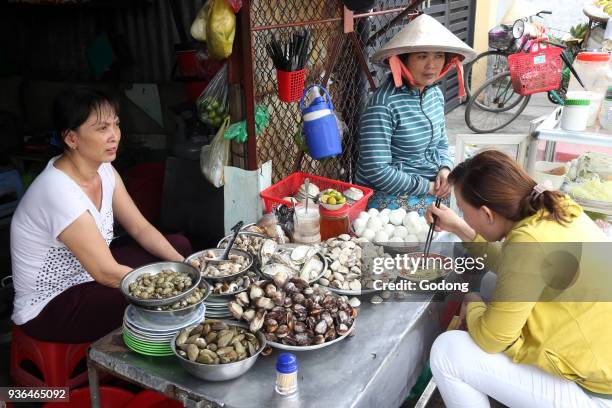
[
  {"x": 286, "y": 374},
  {"x": 605, "y": 116},
  {"x": 575, "y": 114},
  {"x": 595, "y": 72}
]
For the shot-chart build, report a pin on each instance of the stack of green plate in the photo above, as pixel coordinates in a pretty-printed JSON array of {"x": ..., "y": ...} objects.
[{"x": 158, "y": 349}]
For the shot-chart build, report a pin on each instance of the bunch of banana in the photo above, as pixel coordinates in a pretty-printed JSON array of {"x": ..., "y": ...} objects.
[
  {"x": 606, "y": 4},
  {"x": 578, "y": 31}
]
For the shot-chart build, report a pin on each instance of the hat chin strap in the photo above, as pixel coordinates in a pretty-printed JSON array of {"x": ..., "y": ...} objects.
[{"x": 400, "y": 71}]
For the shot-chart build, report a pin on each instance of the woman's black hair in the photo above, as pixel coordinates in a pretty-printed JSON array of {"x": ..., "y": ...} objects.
[{"x": 73, "y": 106}]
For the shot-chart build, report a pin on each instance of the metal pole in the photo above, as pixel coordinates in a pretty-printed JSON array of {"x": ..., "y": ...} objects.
[
  {"x": 249, "y": 83},
  {"x": 94, "y": 384}
]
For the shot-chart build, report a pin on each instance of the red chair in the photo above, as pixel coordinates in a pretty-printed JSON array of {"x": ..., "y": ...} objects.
[
  {"x": 152, "y": 399},
  {"x": 110, "y": 397},
  {"x": 55, "y": 362}
]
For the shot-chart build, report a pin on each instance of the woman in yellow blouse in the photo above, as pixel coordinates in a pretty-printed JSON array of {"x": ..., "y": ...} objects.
[{"x": 545, "y": 339}]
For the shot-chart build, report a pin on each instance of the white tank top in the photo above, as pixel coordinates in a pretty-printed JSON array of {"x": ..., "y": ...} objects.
[{"x": 43, "y": 267}]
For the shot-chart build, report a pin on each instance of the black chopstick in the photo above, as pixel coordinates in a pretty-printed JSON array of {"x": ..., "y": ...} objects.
[
  {"x": 291, "y": 55},
  {"x": 430, "y": 233}
]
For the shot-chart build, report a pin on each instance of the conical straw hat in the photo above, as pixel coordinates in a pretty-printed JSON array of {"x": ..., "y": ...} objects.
[
  {"x": 424, "y": 34},
  {"x": 519, "y": 9}
]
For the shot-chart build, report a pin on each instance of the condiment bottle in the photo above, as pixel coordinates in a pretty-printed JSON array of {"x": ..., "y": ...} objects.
[
  {"x": 333, "y": 225},
  {"x": 286, "y": 374},
  {"x": 575, "y": 114}
]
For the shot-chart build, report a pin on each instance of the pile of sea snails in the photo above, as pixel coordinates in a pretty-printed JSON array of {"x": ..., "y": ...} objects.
[{"x": 291, "y": 312}]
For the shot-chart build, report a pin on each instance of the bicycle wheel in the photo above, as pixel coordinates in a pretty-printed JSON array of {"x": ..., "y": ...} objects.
[
  {"x": 505, "y": 105},
  {"x": 485, "y": 66}
]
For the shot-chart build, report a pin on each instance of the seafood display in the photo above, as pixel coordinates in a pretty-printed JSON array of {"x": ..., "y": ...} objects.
[
  {"x": 297, "y": 261},
  {"x": 164, "y": 284},
  {"x": 290, "y": 312},
  {"x": 236, "y": 285},
  {"x": 210, "y": 266},
  {"x": 248, "y": 242},
  {"x": 350, "y": 264},
  {"x": 216, "y": 342},
  {"x": 192, "y": 299},
  {"x": 391, "y": 227}
]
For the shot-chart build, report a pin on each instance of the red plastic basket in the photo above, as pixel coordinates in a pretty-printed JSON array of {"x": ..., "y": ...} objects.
[
  {"x": 290, "y": 85},
  {"x": 289, "y": 186},
  {"x": 539, "y": 70}
]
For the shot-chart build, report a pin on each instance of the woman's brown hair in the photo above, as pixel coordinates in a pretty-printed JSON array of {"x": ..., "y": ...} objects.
[{"x": 493, "y": 179}]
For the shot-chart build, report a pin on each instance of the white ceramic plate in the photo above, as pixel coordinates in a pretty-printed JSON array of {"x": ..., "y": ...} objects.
[{"x": 137, "y": 321}]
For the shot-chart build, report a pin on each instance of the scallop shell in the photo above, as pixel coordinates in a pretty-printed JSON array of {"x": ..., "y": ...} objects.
[
  {"x": 299, "y": 255},
  {"x": 268, "y": 248}
]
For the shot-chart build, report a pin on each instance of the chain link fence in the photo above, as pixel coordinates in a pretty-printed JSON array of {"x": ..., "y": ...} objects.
[{"x": 334, "y": 57}]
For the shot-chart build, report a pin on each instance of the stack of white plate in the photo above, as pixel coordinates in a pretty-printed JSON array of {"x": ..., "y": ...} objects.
[
  {"x": 151, "y": 338},
  {"x": 216, "y": 307}
]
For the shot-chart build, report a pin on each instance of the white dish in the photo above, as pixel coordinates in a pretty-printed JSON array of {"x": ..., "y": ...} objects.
[{"x": 136, "y": 320}]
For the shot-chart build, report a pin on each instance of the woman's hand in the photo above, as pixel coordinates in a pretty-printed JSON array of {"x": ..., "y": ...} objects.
[
  {"x": 449, "y": 221},
  {"x": 442, "y": 188}
]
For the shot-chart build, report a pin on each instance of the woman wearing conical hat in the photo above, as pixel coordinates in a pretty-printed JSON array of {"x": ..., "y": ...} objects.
[{"x": 403, "y": 148}]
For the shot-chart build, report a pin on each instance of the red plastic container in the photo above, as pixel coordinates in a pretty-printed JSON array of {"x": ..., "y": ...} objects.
[
  {"x": 195, "y": 63},
  {"x": 290, "y": 85},
  {"x": 539, "y": 70},
  {"x": 289, "y": 186}
]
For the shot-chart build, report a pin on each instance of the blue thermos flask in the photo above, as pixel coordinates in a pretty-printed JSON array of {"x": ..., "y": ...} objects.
[{"x": 320, "y": 126}]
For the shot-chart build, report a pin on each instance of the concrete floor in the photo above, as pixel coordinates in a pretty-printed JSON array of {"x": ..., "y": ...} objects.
[{"x": 538, "y": 106}]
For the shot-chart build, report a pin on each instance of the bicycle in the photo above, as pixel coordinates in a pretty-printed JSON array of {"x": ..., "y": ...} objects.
[
  {"x": 502, "y": 43},
  {"x": 495, "y": 104}
]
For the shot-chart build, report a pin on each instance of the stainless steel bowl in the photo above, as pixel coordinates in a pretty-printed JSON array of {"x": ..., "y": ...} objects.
[
  {"x": 247, "y": 233},
  {"x": 218, "y": 252},
  {"x": 220, "y": 372},
  {"x": 171, "y": 316},
  {"x": 154, "y": 269}
]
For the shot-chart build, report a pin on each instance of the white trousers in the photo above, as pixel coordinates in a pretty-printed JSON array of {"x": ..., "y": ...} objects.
[{"x": 466, "y": 375}]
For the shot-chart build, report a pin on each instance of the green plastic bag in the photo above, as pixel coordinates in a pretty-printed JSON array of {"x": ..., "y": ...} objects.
[
  {"x": 220, "y": 29},
  {"x": 238, "y": 132}
]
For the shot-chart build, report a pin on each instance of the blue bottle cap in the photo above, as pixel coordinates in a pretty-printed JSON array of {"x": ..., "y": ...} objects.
[{"x": 286, "y": 363}]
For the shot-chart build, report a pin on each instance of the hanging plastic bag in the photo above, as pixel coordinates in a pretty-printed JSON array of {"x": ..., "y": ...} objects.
[
  {"x": 198, "y": 27},
  {"x": 220, "y": 29},
  {"x": 214, "y": 156},
  {"x": 236, "y": 5},
  {"x": 238, "y": 132},
  {"x": 213, "y": 102}
]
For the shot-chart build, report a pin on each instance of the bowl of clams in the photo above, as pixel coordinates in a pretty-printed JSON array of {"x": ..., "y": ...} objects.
[
  {"x": 217, "y": 350},
  {"x": 213, "y": 269},
  {"x": 160, "y": 284}
]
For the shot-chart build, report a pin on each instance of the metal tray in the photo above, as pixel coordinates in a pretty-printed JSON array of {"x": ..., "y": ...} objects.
[
  {"x": 351, "y": 292},
  {"x": 414, "y": 278},
  {"x": 282, "y": 346}
]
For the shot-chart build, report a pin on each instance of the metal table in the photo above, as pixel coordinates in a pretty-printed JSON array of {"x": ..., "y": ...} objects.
[{"x": 377, "y": 366}]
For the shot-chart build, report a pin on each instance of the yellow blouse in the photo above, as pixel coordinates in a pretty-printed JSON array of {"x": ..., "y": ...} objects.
[{"x": 543, "y": 314}]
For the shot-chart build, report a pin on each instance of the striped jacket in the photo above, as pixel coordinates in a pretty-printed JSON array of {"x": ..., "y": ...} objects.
[{"x": 402, "y": 141}]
